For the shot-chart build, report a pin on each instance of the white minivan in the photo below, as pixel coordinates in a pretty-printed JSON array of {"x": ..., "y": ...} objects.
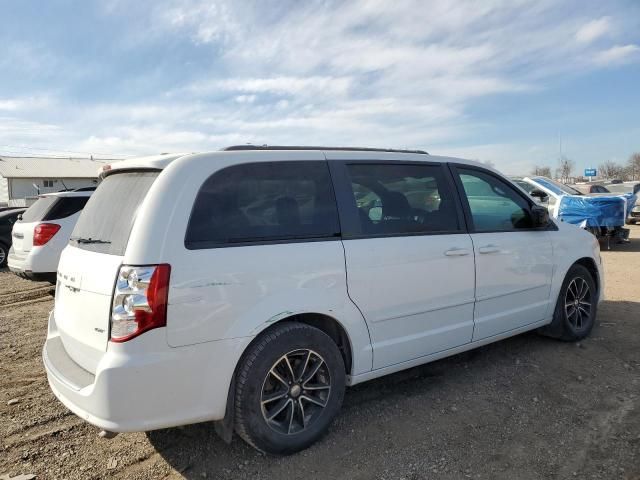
[{"x": 250, "y": 286}]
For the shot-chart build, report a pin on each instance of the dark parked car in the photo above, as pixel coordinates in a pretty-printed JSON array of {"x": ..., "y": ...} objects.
[
  {"x": 587, "y": 188},
  {"x": 7, "y": 219}
]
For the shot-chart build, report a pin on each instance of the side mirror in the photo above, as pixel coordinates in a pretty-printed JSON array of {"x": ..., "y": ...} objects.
[
  {"x": 539, "y": 216},
  {"x": 539, "y": 194}
]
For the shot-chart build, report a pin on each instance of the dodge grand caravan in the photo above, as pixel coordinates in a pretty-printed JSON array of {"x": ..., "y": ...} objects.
[{"x": 250, "y": 286}]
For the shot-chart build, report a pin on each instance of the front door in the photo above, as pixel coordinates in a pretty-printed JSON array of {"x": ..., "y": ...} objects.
[
  {"x": 514, "y": 261},
  {"x": 410, "y": 267}
]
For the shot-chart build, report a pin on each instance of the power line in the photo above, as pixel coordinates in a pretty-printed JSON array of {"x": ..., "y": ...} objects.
[
  {"x": 28, "y": 148},
  {"x": 13, "y": 153}
]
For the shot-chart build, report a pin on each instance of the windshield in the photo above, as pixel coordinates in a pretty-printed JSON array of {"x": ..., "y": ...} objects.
[
  {"x": 556, "y": 187},
  {"x": 106, "y": 221},
  {"x": 526, "y": 186}
]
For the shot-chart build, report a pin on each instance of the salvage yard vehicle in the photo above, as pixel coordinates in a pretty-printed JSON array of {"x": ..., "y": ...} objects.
[
  {"x": 602, "y": 214},
  {"x": 43, "y": 231},
  {"x": 7, "y": 218},
  {"x": 633, "y": 215},
  {"x": 587, "y": 188},
  {"x": 251, "y": 286}
]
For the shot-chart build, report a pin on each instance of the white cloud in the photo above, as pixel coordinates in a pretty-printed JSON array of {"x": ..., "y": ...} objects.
[
  {"x": 245, "y": 98},
  {"x": 617, "y": 54},
  {"x": 24, "y": 104},
  {"x": 281, "y": 85},
  {"x": 593, "y": 30},
  {"x": 510, "y": 158},
  {"x": 404, "y": 73},
  {"x": 10, "y": 104},
  {"x": 207, "y": 21}
]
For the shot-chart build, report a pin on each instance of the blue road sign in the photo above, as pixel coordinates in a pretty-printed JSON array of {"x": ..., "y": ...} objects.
[{"x": 590, "y": 172}]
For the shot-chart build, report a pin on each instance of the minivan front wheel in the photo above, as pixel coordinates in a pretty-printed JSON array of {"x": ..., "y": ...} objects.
[
  {"x": 289, "y": 387},
  {"x": 575, "y": 311}
]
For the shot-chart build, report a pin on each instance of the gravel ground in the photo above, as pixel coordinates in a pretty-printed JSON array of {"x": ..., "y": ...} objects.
[{"x": 527, "y": 408}]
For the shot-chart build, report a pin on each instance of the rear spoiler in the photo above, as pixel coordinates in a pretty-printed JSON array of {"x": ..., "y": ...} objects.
[{"x": 108, "y": 171}]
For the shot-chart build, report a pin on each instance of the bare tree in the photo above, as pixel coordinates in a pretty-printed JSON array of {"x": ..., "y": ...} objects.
[
  {"x": 565, "y": 168},
  {"x": 610, "y": 169},
  {"x": 541, "y": 171},
  {"x": 633, "y": 166}
]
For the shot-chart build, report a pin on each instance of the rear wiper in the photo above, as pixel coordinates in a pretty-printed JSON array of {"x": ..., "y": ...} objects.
[{"x": 88, "y": 240}]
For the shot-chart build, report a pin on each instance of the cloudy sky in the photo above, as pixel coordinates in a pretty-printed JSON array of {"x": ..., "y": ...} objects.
[{"x": 500, "y": 81}]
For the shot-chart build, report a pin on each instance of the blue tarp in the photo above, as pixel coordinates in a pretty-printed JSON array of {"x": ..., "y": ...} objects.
[
  {"x": 631, "y": 200},
  {"x": 600, "y": 211}
]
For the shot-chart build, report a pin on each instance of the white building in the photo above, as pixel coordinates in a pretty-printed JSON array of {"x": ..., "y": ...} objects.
[{"x": 22, "y": 179}]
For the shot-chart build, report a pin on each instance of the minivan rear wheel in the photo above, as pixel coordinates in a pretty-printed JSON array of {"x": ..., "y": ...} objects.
[
  {"x": 289, "y": 387},
  {"x": 4, "y": 253}
]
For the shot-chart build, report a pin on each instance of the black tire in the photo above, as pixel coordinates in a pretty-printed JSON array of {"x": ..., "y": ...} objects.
[
  {"x": 296, "y": 427},
  {"x": 4, "y": 254},
  {"x": 575, "y": 312}
]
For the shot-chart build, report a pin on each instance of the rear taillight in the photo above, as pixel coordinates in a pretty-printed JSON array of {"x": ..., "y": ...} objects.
[
  {"x": 43, "y": 232},
  {"x": 139, "y": 301}
]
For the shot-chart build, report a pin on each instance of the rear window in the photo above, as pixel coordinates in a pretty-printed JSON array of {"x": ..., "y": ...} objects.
[
  {"x": 556, "y": 187},
  {"x": 65, "y": 207},
  {"x": 37, "y": 211},
  {"x": 264, "y": 202},
  {"x": 107, "y": 219}
]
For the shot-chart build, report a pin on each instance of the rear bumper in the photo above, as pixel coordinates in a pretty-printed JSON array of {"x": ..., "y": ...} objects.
[
  {"x": 35, "y": 264},
  {"x": 17, "y": 262},
  {"x": 146, "y": 384}
]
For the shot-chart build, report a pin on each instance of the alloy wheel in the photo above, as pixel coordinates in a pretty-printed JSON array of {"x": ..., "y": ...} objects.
[
  {"x": 577, "y": 304},
  {"x": 295, "y": 391}
]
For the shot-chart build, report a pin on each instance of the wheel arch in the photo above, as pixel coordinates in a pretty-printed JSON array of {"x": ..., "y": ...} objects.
[
  {"x": 590, "y": 264},
  {"x": 327, "y": 324}
]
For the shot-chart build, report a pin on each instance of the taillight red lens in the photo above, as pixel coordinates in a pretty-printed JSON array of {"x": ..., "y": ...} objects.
[
  {"x": 44, "y": 232},
  {"x": 139, "y": 301}
]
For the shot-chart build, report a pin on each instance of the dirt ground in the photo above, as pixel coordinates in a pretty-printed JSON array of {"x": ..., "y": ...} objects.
[{"x": 526, "y": 408}]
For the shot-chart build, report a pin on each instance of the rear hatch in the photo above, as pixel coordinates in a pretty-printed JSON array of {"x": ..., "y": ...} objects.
[
  {"x": 47, "y": 209},
  {"x": 89, "y": 265},
  {"x": 22, "y": 235}
]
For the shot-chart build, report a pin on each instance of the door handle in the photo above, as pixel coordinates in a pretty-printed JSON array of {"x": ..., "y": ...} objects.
[
  {"x": 489, "y": 249},
  {"x": 457, "y": 252}
]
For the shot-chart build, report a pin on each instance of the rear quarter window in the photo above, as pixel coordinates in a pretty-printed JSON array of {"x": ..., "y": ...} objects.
[{"x": 65, "y": 207}]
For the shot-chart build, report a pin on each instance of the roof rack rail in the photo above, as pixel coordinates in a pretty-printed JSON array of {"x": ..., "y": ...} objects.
[{"x": 234, "y": 148}]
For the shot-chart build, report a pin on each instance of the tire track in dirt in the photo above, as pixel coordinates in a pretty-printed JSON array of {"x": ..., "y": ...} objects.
[
  {"x": 44, "y": 421},
  {"x": 40, "y": 431},
  {"x": 26, "y": 302},
  {"x": 18, "y": 297}
]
